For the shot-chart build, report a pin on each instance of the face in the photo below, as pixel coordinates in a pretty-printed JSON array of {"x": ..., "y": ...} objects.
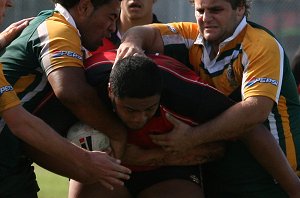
[
  {"x": 135, "y": 112},
  {"x": 216, "y": 19},
  {"x": 98, "y": 23},
  {"x": 136, "y": 9},
  {"x": 3, "y": 5}
]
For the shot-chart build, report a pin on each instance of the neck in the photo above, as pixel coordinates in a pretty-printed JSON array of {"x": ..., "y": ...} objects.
[
  {"x": 214, "y": 51},
  {"x": 125, "y": 23}
]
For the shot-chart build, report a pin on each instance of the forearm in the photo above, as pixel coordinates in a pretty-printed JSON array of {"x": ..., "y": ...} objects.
[
  {"x": 145, "y": 38},
  {"x": 37, "y": 133},
  {"x": 56, "y": 165},
  {"x": 158, "y": 157},
  {"x": 91, "y": 111},
  {"x": 234, "y": 122},
  {"x": 199, "y": 155},
  {"x": 71, "y": 88}
]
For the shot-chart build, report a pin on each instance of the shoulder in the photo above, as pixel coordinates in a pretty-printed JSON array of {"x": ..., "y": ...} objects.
[{"x": 262, "y": 40}]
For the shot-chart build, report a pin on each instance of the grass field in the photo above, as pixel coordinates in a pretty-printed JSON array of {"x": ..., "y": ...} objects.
[{"x": 51, "y": 185}]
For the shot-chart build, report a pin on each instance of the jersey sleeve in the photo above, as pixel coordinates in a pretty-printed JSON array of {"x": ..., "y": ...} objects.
[
  {"x": 8, "y": 97},
  {"x": 178, "y": 33},
  {"x": 263, "y": 68},
  {"x": 60, "y": 44}
]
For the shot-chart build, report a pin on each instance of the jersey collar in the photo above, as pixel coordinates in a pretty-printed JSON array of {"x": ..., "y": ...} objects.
[
  {"x": 200, "y": 40},
  {"x": 65, "y": 13}
]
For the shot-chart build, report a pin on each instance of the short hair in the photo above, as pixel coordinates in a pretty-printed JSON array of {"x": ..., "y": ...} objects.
[
  {"x": 135, "y": 77},
  {"x": 71, "y": 3},
  {"x": 237, "y": 3}
]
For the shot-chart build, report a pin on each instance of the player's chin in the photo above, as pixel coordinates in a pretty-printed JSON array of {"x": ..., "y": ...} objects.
[
  {"x": 135, "y": 126},
  {"x": 94, "y": 46}
]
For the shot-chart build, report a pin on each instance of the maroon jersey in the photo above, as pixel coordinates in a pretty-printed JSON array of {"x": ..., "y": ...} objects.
[{"x": 184, "y": 95}]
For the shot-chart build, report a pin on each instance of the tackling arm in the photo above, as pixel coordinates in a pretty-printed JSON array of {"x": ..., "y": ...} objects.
[{"x": 70, "y": 87}]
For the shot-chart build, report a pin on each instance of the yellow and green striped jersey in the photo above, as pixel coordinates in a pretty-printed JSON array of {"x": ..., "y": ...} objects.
[
  {"x": 251, "y": 62},
  {"x": 8, "y": 97},
  {"x": 51, "y": 41}
]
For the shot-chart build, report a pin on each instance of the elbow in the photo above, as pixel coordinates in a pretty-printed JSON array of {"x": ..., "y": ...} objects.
[{"x": 68, "y": 97}]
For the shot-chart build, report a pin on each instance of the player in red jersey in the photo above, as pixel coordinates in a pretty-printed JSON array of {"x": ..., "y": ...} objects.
[{"x": 137, "y": 108}]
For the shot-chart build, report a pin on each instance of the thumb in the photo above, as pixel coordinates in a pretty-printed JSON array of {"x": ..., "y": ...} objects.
[{"x": 173, "y": 120}]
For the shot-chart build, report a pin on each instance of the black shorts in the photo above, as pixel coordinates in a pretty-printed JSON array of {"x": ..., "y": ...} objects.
[{"x": 141, "y": 180}]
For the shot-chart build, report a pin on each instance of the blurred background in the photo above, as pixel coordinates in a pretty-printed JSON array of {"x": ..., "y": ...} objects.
[{"x": 282, "y": 17}]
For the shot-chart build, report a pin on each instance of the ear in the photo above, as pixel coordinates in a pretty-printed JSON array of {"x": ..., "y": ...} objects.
[
  {"x": 85, "y": 8},
  {"x": 240, "y": 10}
]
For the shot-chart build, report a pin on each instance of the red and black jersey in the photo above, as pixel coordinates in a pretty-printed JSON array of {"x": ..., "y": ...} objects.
[
  {"x": 184, "y": 95},
  {"x": 183, "y": 91}
]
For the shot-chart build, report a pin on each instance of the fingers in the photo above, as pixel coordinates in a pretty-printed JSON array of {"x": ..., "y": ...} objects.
[
  {"x": 12, "y": 31},
  {"x": 119, "y": 168},
  {"x": 173, "y": 120},
  {"x": 113, "y": 173},
  {"x": 125, "y": 51},
  {"x": 16, "y": 24},
  {"x": 107, "y": 185},
  {"x": 161, "y": 140}
]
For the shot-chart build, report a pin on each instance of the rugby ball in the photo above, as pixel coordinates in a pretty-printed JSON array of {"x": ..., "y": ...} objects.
[{"x": 87, "y": 137}]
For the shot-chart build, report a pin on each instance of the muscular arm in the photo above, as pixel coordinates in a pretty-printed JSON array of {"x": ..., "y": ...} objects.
[
  {"x": 138, "y": 38},
  {"x": 233, "y": 123},
  {"x": 70, "y": 160},
  {"x": 136, "y": 156},
  {"x": 70, "y": 87}
]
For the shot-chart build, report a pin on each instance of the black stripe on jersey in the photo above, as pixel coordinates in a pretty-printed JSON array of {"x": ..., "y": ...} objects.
[
  {"x": 180, "y": 52},
  {"x": 192, "y": 99},
  {"x": 221, "y": 57},
  {"x": 89, "y": 143},
  {"x": 229, "y": 52}
]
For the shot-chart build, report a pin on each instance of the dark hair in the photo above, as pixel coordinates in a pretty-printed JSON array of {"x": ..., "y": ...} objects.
[
  {"x": 135, "y": 77},
  {"x": 71, "y": 3},
  {"x": 237, "y": 3}
]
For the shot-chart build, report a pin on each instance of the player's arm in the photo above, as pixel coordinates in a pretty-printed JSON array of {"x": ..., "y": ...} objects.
[
  {"x": 71, "y": 160},
  {"x": 137, "y": 156},
  {"x": 138, "y": 38},
  {"x": 70, "y": 87},
  {"x": 233, "y": 123}
]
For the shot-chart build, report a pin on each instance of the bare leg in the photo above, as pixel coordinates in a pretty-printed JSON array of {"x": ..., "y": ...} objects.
[
  {"x": 79, "y": 190},
  {"x": 175, "y": 188}
]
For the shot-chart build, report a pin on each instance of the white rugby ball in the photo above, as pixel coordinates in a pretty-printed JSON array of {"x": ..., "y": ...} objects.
[{"x": 87, "y": 137}]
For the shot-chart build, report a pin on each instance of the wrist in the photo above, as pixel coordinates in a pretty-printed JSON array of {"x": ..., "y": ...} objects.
[{"x": 2, "y": 42}]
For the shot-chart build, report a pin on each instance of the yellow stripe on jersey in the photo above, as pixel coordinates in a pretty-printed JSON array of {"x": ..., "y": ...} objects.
[
  {"x": 8, "y": 97},
  {"x": 288, "y": 137},
  {"x": 23, "y": 82},
  {"x": 263, "y": 64},
  {"x": 63, "y": 49}
]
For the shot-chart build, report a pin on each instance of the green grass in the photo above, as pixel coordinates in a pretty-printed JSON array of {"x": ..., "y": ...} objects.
[{"x": 51, "y": 185}]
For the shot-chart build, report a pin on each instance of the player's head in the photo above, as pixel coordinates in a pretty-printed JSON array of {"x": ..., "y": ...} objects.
[
  {"x": 71, "y": 3},
  {"x": 237, "y": 3},
  {"x": 218, "y": 19},
  {"x": 95, "y": 19},
  {"x": 3, "y": 5},
  {"x": 137, "y": 10},
  {"x": 135, "y": 86}
]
